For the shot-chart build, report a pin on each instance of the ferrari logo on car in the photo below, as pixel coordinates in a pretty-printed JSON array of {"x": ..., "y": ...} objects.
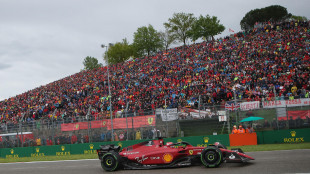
[
  {"x": 167, "y": 157},
  {"x": 190, "y": 152}
]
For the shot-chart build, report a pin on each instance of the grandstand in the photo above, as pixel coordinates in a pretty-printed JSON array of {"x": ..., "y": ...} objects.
[{"x": 268, "y": 63}]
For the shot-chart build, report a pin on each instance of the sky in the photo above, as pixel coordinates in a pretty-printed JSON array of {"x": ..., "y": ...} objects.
[{"x": 43, "y": 41}]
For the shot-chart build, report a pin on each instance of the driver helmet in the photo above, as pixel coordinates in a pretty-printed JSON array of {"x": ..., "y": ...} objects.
[{"x": 169, "y": 143}]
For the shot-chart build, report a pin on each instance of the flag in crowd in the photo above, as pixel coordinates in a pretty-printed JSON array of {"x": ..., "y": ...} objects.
[{"x": 231, "y": 106}]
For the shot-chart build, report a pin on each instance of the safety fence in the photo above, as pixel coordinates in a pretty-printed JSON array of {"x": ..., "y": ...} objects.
[{"x": 265, "y": 137}]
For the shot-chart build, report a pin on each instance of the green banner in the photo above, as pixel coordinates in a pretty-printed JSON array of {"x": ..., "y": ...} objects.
[
  {"x": 16, "y": 152},
  {"x": 87, "y": 148},
  {"x": 284, "y": 136},
  {"x": 201, "y": 141}
]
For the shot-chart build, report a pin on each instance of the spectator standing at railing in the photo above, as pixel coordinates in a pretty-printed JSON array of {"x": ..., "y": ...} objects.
[
  {"x": 49, "y": 142},
  {"x": 299, "y": 122},
  {"x": 234, "y": 130},
  {"x": 266, "y": 124},
  {"x": 73, "y": 139},
  {"x": 241, "y": 130},
  {"x": 249, "y": 129},
  {"x": 86, "y": 138},
  {"x": 121, "y": 136},
  {"x": 274, "y": 124},
  {"x": 38, "y": 141},
  {"x": 291, "y": 123},
  {"x": 138, "y": 135}
]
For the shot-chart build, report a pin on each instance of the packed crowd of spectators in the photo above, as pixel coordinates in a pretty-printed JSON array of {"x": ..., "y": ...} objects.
[{"x": 267, "y": 63}]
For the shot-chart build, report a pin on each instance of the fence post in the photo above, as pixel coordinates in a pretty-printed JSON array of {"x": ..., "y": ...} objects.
[
  {"x": 126, "y": 120},
  {"x": 89, "y": 125},
  {"x": 53, "y": 127},
  {"x": 199, "y": 106},
  {"x": 228, "y": 123}
]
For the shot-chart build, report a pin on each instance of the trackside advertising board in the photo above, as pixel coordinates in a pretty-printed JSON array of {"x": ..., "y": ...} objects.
[{"x": 267, "y": 137}]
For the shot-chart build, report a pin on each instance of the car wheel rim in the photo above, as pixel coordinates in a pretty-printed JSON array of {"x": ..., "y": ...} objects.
[
  {"x": 109, "y": 162},
  {"x": 211, "y": 157}
]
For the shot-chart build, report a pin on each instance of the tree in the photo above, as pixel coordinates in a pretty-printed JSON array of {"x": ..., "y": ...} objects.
[
  {"x": 180, "y": 26},
  {"x": 119, "y": 52},
  {"x": 206, "y": 27},
  {"x": 167, "y": 38},
  {"x": 147, "y": 41},
  {"x": 299, "y": 18},
  {"x": 272, "y": 13},
  {"x": 91, "y": 63}
]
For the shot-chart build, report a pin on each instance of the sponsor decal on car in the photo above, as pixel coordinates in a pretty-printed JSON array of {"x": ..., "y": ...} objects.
[
  {"x": 232, "y": 156},
  {"x": 142, "y": 159},
  {"x": 154, "y": 157},
  {"x": 167, "y": 157},
  {"x": 130, "y": 153}
]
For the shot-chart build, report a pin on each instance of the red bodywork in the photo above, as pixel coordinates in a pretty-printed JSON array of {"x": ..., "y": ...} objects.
[{"x": 155, "y": 152}]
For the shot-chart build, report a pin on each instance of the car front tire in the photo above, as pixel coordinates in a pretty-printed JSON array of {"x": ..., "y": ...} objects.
[{"x": 211, "y": 157}]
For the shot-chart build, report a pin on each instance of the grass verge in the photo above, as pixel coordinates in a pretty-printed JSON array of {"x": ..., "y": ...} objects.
[{"x": 263, "y": 147}]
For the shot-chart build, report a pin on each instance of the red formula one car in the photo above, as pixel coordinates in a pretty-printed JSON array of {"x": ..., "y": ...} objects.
[{"x": 155, "y": 154}]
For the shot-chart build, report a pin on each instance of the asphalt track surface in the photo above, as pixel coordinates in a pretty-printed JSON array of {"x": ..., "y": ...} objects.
[{"x": 284, "y": 161}]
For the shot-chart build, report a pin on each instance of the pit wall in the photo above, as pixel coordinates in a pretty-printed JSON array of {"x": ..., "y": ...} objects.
[{"x": 266, "y": 137}]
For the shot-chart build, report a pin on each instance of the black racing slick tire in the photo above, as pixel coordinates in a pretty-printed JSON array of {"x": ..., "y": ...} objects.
[
  {"x": 110, "y": 161},
  {"x": 211, "y": 157}
]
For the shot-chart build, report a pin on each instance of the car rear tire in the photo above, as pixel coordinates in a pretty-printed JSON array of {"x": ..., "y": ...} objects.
[
  {"x": 211, "y": 157},
  {"x": 110, "y": 161}
]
